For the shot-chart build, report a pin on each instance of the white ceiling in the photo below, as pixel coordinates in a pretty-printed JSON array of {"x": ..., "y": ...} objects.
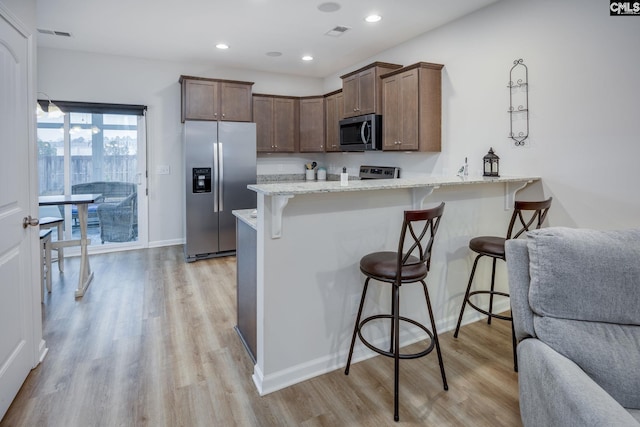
[{"x": 188, "y": 30}]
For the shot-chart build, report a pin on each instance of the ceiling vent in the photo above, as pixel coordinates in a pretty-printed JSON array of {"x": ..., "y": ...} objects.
[
  {"x": 337, "y": 31},
  {"x": 54, "y": 33}
]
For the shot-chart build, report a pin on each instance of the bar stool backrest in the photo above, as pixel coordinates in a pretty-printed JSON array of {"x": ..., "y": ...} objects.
[
  {"x": 526, "y": 214},
  {"x": 419, "y": 230}
]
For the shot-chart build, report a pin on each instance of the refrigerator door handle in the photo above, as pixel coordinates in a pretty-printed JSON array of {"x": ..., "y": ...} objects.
[
  {"x": 215, "y": 177},
  {"x": 221, "y": 177}
]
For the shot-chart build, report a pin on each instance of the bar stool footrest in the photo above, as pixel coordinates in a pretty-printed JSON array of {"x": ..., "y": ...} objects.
[
  {"x": 485, "y": 312},
  {"x": 378, "y": 350}
]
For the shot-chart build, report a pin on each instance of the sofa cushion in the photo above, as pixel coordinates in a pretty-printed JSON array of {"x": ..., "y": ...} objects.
[
  {"x": 608, "y": 353},
  {"x": 585, "y": 274}
]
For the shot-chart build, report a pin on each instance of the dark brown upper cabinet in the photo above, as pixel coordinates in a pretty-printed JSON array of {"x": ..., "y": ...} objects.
[
  {"x": 412, "y": 108},
  {"x": 214, "y": 99},
  {"x": 276, "y": 119},
  {"x": 312, "y": 127},
  {"x": 362, "y": 91},
  {"x": 334, "y": 112}
]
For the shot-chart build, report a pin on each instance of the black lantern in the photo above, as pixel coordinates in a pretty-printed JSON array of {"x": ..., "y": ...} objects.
[{"x": 491, "y": 165}]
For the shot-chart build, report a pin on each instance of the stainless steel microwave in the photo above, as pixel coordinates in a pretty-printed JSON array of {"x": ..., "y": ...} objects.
[{"x": 362, "y": 133}]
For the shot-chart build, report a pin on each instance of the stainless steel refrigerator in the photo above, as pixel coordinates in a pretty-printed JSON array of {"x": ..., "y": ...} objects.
[{"x": 220, "y": 161}]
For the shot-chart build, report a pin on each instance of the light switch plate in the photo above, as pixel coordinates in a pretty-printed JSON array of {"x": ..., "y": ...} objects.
[{"x": 163, "y": 170}]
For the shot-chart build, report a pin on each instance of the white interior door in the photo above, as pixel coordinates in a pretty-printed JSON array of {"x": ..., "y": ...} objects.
[{"x": 20, "y": 319}]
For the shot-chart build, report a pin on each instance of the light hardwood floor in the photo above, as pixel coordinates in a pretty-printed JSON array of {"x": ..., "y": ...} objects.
[{"x": 152, "y": 344}]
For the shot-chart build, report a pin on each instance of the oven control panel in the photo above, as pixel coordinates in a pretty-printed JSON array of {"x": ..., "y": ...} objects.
[{"x": 379, "y": 172}]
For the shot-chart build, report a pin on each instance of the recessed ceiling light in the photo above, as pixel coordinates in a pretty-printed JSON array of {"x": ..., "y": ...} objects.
[
  {"x": 373, "y": 18},
  {"x": 222, "y": 46},
  {"x": 274, "y": 54},
  {"x": 307, "y": 58},
  {"x": 328, "y": 7}
]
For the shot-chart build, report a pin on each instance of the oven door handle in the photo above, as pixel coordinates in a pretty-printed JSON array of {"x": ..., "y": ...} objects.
[{"x": 363, "y": 132}]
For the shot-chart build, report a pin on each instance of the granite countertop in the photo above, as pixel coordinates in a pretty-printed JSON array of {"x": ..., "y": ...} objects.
[
  {"x": 310, "y": 187},
  {"x": 246, "y": 216}
]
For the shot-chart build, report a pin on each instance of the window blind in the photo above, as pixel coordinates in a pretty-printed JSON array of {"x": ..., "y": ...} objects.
[{"x": 94, "y": 107}]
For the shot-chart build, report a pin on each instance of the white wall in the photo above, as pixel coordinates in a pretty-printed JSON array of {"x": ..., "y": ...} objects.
[{"x": 583, "y": 103}]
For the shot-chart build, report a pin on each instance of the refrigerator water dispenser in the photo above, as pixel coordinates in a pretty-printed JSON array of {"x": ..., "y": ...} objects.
[{"x": 201, "y": 180}]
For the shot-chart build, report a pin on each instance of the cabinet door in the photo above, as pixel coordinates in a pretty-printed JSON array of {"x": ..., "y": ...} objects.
[
  {"x": 312, "y": 125},
  {"x": 350, "y": 92},
  {"x": 235, "y": 102},
  {"x": 199, "y": 100},
  {"x": 334, "y": 105},
  {"x": 263, "y": 117},
  {"x": 391, "y": 118},
  {"x": 284, "y": 124},
  {"x": 367, "y": 91},
  {"x": 408, "y": 106}
]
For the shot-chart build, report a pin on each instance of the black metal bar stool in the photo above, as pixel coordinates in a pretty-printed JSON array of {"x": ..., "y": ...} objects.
[
  {"x": 398, "y": 268},
  {"x": 525, "y": 214}
]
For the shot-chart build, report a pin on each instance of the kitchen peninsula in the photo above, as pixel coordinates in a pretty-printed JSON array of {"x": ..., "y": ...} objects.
[{"x": 310, "y": 238}]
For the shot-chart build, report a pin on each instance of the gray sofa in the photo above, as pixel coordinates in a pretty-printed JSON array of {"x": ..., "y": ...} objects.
[{"x": 575, "y": 299}]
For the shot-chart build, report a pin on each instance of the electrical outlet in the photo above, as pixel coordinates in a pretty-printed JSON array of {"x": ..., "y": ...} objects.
[{"x": 163, "y": 170}]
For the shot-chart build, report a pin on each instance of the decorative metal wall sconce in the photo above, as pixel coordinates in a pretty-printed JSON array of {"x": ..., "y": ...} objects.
[{"x": 519, "y": 95}]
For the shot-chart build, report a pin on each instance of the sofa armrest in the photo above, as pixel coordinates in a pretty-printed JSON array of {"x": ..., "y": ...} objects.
[
  {"x": 554, "y": 391},
  {"x": 517, "y": 256}
]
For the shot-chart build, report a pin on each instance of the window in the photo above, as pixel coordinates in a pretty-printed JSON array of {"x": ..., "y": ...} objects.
[{"x": 99, "y": 149}]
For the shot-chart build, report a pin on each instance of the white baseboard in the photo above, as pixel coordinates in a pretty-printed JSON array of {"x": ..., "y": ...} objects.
[{"x": 162, "y": 243}]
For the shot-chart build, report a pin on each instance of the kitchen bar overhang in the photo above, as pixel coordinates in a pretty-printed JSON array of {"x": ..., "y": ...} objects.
[{"x": 420, "y": 187}]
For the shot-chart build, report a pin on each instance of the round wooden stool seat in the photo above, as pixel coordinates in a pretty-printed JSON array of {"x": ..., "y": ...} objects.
[
  {"x": 384, "y": 265},
  {"x": 492, "y": 246}
]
